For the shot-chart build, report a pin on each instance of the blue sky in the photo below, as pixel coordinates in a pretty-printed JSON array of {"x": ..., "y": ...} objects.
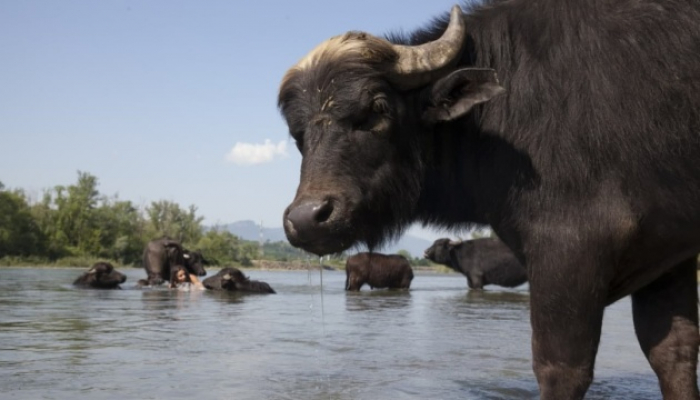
[{"x": 168, "y": 100}]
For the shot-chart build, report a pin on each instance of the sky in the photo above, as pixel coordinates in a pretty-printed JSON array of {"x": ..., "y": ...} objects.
[{"x": 166, "y": 99}]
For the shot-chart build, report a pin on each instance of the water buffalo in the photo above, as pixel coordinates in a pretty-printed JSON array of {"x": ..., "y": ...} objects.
[
  {"x": 160, "y": 254},
  {"x": 101, "y": 275},
  {"x": 572, "y": 128},
  {"x": 378, "y": 271},
  {"x": 485, "y": 261},
  {"x": 233, "y": 280}
]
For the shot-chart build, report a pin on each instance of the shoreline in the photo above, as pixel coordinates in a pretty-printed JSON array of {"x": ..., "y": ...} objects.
[{"x": 260, "y": 265}]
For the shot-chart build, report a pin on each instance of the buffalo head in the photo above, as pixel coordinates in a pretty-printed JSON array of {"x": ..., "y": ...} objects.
[
  {"x": 361, "y": 110},
  {"x": 101, "y": 275},
  {"x": 439, "y": 252},
  {"x": 194, "y": 261}
]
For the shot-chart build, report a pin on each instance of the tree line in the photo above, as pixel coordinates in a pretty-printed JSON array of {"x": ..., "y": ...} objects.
[{"x": 76, "y": 224}]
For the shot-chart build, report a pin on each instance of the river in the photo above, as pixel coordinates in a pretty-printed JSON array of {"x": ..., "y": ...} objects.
[{"x": 311, "y": 340}]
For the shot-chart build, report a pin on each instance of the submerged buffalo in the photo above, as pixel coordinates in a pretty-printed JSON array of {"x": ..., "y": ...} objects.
[
  {"x": 101, "y": 275},
  {"x": 378, "y": 271},
  {"x": 572, "y": 128},
  {"x": 161, "y": 254},
  {"x": 485, "y": 261},
  {"x": 233, "y": 280}
]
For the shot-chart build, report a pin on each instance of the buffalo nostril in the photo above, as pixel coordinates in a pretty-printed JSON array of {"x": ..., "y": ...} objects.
[
  {"x": 323, "y": 212},
  {"x": 306, "y": 216}
]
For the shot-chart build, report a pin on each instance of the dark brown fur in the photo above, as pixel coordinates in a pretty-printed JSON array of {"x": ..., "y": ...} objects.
[
  {"x": 233, "y": 280},
  {"x": 101, "y": 275},
  {"x": 485, "y": 261},
  {"x": 377, "y": 271},
  {"x": 586, "y": 167}
]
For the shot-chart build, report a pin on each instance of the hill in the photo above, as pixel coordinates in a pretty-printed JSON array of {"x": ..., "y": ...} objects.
[{"x": 249, "y": 230}]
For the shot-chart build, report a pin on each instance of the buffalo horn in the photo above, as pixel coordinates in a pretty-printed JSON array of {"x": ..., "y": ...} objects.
[{"x": 418, "y": 65}]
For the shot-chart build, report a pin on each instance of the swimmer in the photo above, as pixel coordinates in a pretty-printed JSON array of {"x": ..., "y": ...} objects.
[{"x": 180, "y": 277}]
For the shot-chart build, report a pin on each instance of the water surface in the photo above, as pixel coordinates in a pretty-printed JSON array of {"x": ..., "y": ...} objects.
[{"x": 311, "y": 340}]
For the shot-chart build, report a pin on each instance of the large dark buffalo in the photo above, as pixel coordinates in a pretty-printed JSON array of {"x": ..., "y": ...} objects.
[
  {"x": 583, "y": 159},
  {"x": 233, "y": 280},
  {"x": 160, "y": 254},
  {"x": 101, "y": 275},
  {"x": 378, "y": 271},
  {"x": 485, "y": 261}
]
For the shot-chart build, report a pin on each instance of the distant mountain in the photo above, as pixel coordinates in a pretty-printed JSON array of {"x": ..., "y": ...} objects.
[{"x": 249, "y": 230}]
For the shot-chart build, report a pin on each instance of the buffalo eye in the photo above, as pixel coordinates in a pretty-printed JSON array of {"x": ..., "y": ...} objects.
[{"x": 374, "y": 118}]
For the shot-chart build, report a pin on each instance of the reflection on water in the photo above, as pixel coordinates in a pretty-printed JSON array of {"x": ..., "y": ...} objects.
[{"x": 311, "y": 340}]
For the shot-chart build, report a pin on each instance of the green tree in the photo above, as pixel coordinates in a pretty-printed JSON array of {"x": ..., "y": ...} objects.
[
  {"x": 76, "y": 220},
  {"x": 120, "y": 231},
  {"x": 19, "y": 233},
  {"x": 220, "y": 247},
  {"x": 166, "y": 218}
]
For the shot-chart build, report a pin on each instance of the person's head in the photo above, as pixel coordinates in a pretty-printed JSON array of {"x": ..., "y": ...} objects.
[{"x": 178, "y": 274}]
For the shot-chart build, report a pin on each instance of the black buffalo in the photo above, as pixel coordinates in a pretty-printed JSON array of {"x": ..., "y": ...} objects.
[
  {"x": 572, "y": 128},
  {"x": 101, "y": 275},
  {"x": 485, "y": 261},
  {"x": 233, "y": 280},
  {"x": 161, "y": 254},
  {"x": 378, "y": 271}
]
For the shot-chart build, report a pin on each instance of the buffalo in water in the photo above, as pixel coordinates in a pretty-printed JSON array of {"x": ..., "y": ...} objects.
[
  {"x": 101, "y": 275},
  {"x": 485, "y": 261},
  {"x": 233, "y": 280},
  {"x": 378, "y": 271},
  {"x": 162, "y": 254},
  {"x": 572, "y": 128}
]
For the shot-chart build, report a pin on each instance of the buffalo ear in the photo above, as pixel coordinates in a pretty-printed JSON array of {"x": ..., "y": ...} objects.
[{"x": 453, "y": 96}]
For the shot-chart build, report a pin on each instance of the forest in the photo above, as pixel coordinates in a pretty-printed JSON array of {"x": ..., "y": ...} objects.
[{"x": 76, "y": 225}]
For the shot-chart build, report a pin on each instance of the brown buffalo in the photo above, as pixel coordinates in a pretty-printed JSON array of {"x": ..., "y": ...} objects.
[
  {"x": 485, "y": 261},
  {"x": 377, "y": 271},
  {"x": 101, "y": 275},
  {"x": 233, "y": 280},
  {"x": 571, "y": 127}
]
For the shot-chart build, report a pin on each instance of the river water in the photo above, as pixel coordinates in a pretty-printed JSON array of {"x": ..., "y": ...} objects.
[{"x": 311, "y": 340}]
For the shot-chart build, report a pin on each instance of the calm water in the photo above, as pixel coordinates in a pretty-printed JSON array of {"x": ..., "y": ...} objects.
[{"x": 312, "y": 340}]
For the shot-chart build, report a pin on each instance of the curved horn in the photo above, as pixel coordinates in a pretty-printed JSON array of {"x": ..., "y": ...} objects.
[{"x": 417, "y": 65}]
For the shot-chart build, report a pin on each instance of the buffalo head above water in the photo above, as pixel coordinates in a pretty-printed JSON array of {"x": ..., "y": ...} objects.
[{"x": 360, "y": 110}]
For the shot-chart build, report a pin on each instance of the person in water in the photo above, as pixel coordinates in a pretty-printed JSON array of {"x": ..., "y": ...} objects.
[{"x": 180, "y": 277}]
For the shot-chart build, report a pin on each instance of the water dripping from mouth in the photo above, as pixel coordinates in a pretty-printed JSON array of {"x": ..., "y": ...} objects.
[{"x": 323, "y": 322}]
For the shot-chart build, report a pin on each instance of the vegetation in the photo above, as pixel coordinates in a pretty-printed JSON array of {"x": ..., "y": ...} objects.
[{"x": 76, "y": 225}]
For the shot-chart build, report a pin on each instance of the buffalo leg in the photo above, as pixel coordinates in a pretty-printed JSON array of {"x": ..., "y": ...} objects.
[
  {"x": 475, "y": 281},
  {"x": 666, "y": 322},
  {"x": 567, "y": 305}
]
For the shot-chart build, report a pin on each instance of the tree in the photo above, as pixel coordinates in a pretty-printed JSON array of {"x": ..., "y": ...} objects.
[
  {"x": 220, "y": 247},
  {"x": 120, "y": 231},
  {"x": 19, "y": 233},
  {"x": 75, "y": 214},
  {"x": 166, "y": 218}
]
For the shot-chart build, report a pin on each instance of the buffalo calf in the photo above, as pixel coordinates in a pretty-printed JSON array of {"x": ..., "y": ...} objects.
[
  {"x": 378, "y": 271},
  {"x": 233, "y": 280},
  {"x": 101, "y": 275},
  {"x": 484, "y": 261}
]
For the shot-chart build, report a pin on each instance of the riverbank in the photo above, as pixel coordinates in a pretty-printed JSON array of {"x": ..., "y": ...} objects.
[{"x": 262, "y": 265}]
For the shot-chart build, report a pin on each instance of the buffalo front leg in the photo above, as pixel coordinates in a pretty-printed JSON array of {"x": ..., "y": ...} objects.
[
  {"x": 567, "y": 302},
  {"x": 666, "y": 322}
]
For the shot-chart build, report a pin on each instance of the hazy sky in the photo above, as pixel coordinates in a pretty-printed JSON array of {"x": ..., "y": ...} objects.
[{"x": 168, "y": 100}]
